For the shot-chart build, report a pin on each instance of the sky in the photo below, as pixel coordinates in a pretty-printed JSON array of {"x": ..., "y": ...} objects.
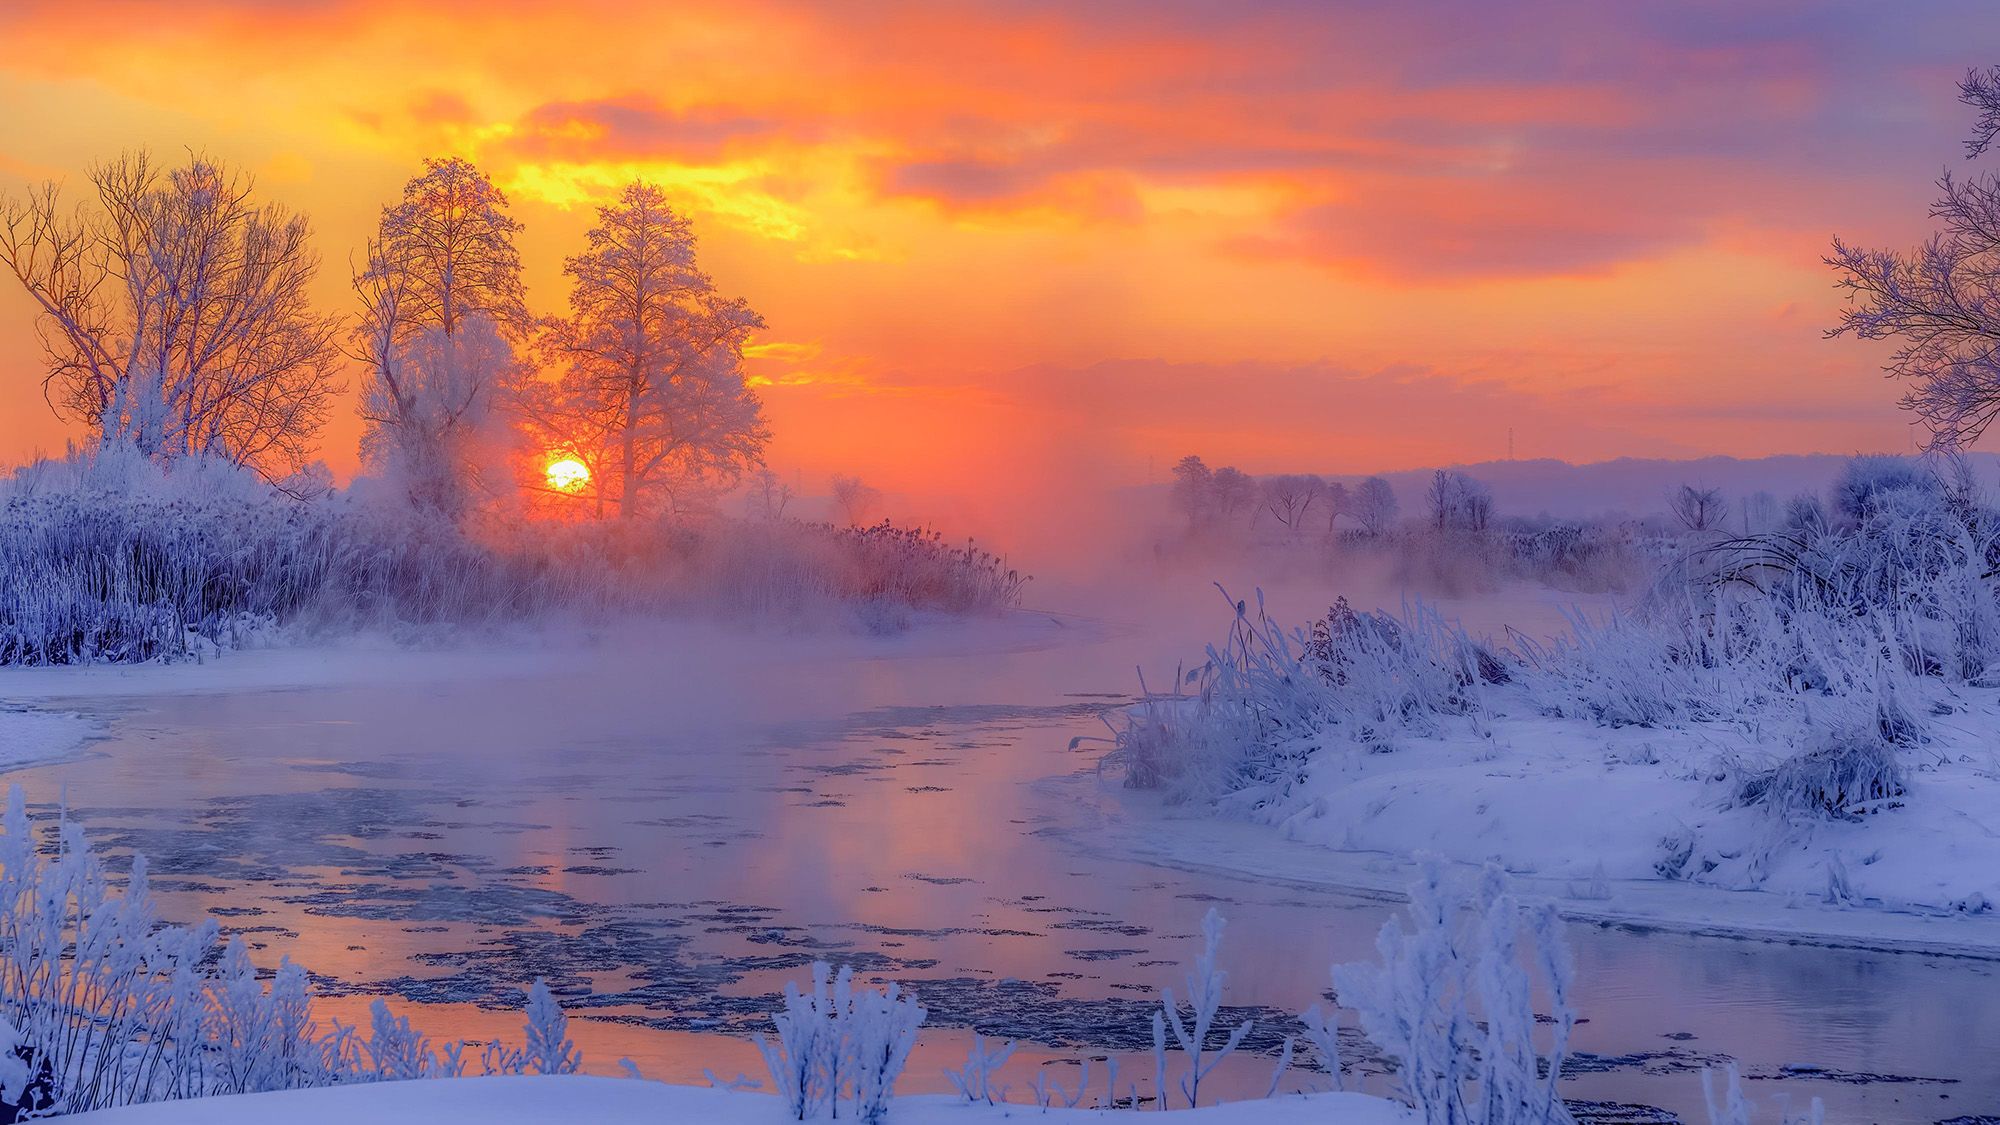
[{"x": 1002, "y": 241}]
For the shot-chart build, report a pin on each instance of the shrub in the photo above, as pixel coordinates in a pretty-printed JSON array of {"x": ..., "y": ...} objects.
[
  {"x": 1847, "y": 777},
  {"x": 1451, "y": 1002},
  {"x": 840, "y": 1043}
]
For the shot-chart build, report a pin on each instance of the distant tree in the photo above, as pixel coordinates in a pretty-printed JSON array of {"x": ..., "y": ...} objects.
[
  {"x": 442, "y": 266},
  {"x": 1941, "y": 301},
  {"x": 1805, "y": 512},
  {"x": 174, "y": 313},
  {"x": 1698, "y": 509},
  {"x": 857, "y": 501},
  {"x": 1864, "y": 480},
  {"x": 1338, "y": 503},
  {"x": 1458, "y": 501},
  {"x": 1290, "y": 497},
  {"x": 1193, "y": 490},
  {"x": 1236, "y": 494},
  {"x": 1761, "y": 513},
  {"x": 652, "y": 360},
  {"x": 767, "y": 495},
  {"x": 1375, "y": 505}
]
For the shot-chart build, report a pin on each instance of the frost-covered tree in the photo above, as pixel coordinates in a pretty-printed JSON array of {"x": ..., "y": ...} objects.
[
  {"x": 441, "y": 302},
  {"x": 449, "y": 243},
  {"x": 1339, "y": 502},
  {"x": 432, "y": 417},
  {"x": 1458, "y": 502},
  {"x": 652, "y": 386},
  {"x": 766, "y": 496},
  {"x": 174, "y": 312},
  {"x": 1375, "y": 505},
  {"x": 1193, "y": 490},
  {"x": 1698, "y": 509},
  {"x": 1864, "y": 481},
  {"x": 856, "y": 499},
  {"x": 1236, "y": 495},
  {"x": 1940, "y": 301},
  {"x": 1289, "y": 498}
]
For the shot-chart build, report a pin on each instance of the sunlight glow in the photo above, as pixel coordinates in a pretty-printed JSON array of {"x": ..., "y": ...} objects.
[{"x": 568, "y": 474}]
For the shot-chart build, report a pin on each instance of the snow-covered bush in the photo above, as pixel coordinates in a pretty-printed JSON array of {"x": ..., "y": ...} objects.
[
  {"x": 1191, "y": 1033},
  {"x": 974, "y": 1081},
  {"x": 1451, "y": 1001},
  {"x": 1373, "y": 676},
  {"x": 839, "y": 1043},
  {"x": 1846, "y": 777}
]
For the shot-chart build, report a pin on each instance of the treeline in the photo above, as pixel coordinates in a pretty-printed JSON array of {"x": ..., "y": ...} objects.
[
  {"x": 175, "y": 316},
  {"x": 174, "y": 310}
]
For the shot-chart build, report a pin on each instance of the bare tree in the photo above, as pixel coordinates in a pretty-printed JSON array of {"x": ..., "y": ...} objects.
[
  {"x": 1698, "y": 509},
  {"x": 1339, "y": 502},
  {"x": 1290, "y": 497},
  {"x": 652, "y": 355},
  {"x": 1375, "y": 505},
  {"x": 441, "y": 299},
  {"x": 174, "y": 313},
  {"x": 767, "y": 495},
  {"x": 1458, "y": 501},
  {"x": 1941, "y": 301},
  {"x": 856, "y": 500}
]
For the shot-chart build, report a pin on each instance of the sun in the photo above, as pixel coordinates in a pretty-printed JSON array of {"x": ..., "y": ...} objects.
[{"x": 567, "y": 474}]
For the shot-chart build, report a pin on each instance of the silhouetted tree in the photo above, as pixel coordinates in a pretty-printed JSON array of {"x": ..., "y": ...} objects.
[{"x": 652, "y": 359}]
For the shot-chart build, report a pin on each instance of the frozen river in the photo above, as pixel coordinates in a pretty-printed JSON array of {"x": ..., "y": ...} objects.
[{"x": 670, "y": 831}]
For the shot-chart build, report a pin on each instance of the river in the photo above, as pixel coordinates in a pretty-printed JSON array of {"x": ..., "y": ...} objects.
[{"x": 668, "y": 826}]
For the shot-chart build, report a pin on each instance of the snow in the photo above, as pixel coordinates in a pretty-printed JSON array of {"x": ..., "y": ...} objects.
[
  {"x": 580, "y": 1098},
  {"x": 32, "y": 737},
  {"x": 1557, "y": 802}
]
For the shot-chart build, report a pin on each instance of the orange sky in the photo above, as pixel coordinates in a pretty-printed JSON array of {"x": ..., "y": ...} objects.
[{"x": 1003, "y": 240}]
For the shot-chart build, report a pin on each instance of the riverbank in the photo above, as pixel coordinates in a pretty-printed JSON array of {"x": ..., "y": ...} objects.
[
  {"x": 477, "y": 1101},
  {"x": 1638, "y": 827}
]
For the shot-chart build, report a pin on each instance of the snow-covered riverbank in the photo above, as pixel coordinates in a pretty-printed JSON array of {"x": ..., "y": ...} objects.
[{"x": 578, "y": 1098}]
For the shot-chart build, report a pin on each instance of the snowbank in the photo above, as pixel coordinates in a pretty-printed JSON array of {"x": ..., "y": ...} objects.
[
  {"x": 578, "y": 1098},
  {"x": 1569, "y": 800},
  {"x": 29, "y": 738},
  {"x": 1585, "y": 816}
]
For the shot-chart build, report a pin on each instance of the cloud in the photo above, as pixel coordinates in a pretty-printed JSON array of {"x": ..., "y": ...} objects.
[{"x": 633, "y": 127}]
